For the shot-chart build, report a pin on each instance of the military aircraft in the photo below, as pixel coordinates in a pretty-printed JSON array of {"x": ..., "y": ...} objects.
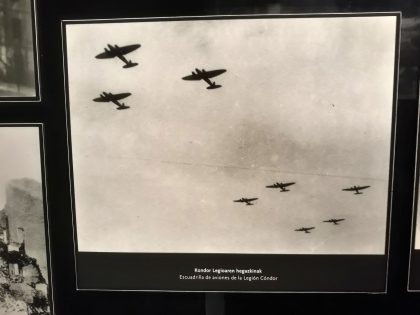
[
  {"x": 356, "y": 189},
  {"x": 114, "y": 98},
  {"x": 305, "y": 229},
  {"x": 282, "y": 186},
  {"x": 206, "y": 76},
  {"x": 248, "y": 201},
  {"x": 116, "y": 51},
  {"x": 335, "y": 221}
]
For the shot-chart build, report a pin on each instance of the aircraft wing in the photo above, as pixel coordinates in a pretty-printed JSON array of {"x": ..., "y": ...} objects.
[
  {"x": 213, "y": 73},
  {"x": 349, "y": 189},
  {"x": 362, "y": 187},
  {"x": 204, "y": 75},
  {"x": 252, "y": 199},
  {"x": 120, "y": 96},
  {"x": 192, "y": 77},
  {"x": 117, "y": 51},
  {"x": 127, "y": 49},
  {"x": 304, "y": 229},
  {"x": 106, "y": 55},
  {"x": 272, "y": 186},
  {"x": 100, "y": 99},
  {"x": 287, "y": 184}
]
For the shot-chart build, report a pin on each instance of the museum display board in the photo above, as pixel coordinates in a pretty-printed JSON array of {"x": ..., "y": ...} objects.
[
  {"x": 190, "y": 200},
  {"x": 166, "y": 157}
]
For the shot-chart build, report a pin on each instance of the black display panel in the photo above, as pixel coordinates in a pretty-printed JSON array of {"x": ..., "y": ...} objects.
[{"x": 51, "y": 112}]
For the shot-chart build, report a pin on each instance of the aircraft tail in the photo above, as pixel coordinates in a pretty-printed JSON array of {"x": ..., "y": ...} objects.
[
  {"x": 123, "y": 106},
  {"x": 213, "y": 86},
  {"x": 130, "y": 64}
]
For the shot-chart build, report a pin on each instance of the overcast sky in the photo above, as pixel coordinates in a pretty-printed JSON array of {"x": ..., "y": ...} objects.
[
  {"x": 19, "y": 156},
  {"x": 307, "y": 100}
]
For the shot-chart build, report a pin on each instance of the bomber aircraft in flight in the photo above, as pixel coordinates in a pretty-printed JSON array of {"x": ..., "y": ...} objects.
[
  {"x": 282, "y": 186},
  {"x": 335, "y": 221},
  {"x": 356, "y": 189},
  {"x": 248, "y": 201},
  {"x": 114, "y": 98},
  {"x": 305, "y": 229},
  {"x": 206, "y": 76},
  {"x": 115, "y": 51}
]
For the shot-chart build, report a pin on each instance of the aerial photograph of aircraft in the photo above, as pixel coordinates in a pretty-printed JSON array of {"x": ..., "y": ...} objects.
[
  {"x": 335, "y": 221},
  {"x": 282, "y": 186},
  {"x": 248, "y": 201},
  {"x": 356, "y": 189},
  {"x": 116, "y": 51},
  {"x": 206, "y": 76},
  {"x": 114, "y": 98},
  {"x": 305, "y": 229}
]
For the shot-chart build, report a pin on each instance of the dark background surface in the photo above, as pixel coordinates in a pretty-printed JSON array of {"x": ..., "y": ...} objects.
[
  {"x": 295, "y": 273},
  {"x": 51, "y": 111}
]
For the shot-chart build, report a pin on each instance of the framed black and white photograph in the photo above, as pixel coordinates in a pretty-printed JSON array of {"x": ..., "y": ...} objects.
[
  {"x": 245, "y": 153},
  {"x": 25, "y": 276},
  {"x": 19, "y": 75}
]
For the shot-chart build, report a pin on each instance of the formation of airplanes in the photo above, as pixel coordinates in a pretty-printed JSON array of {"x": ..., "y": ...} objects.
[
  {"x": 283, "y": 188},
  {"x": 114, "y": 51},
  {"x": 308, "y": 229}
]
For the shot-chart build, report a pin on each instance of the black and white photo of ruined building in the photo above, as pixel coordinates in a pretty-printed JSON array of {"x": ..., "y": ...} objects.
[
  {"x": 18, "y": 66},
  {"x": 24, "y": 281}
]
